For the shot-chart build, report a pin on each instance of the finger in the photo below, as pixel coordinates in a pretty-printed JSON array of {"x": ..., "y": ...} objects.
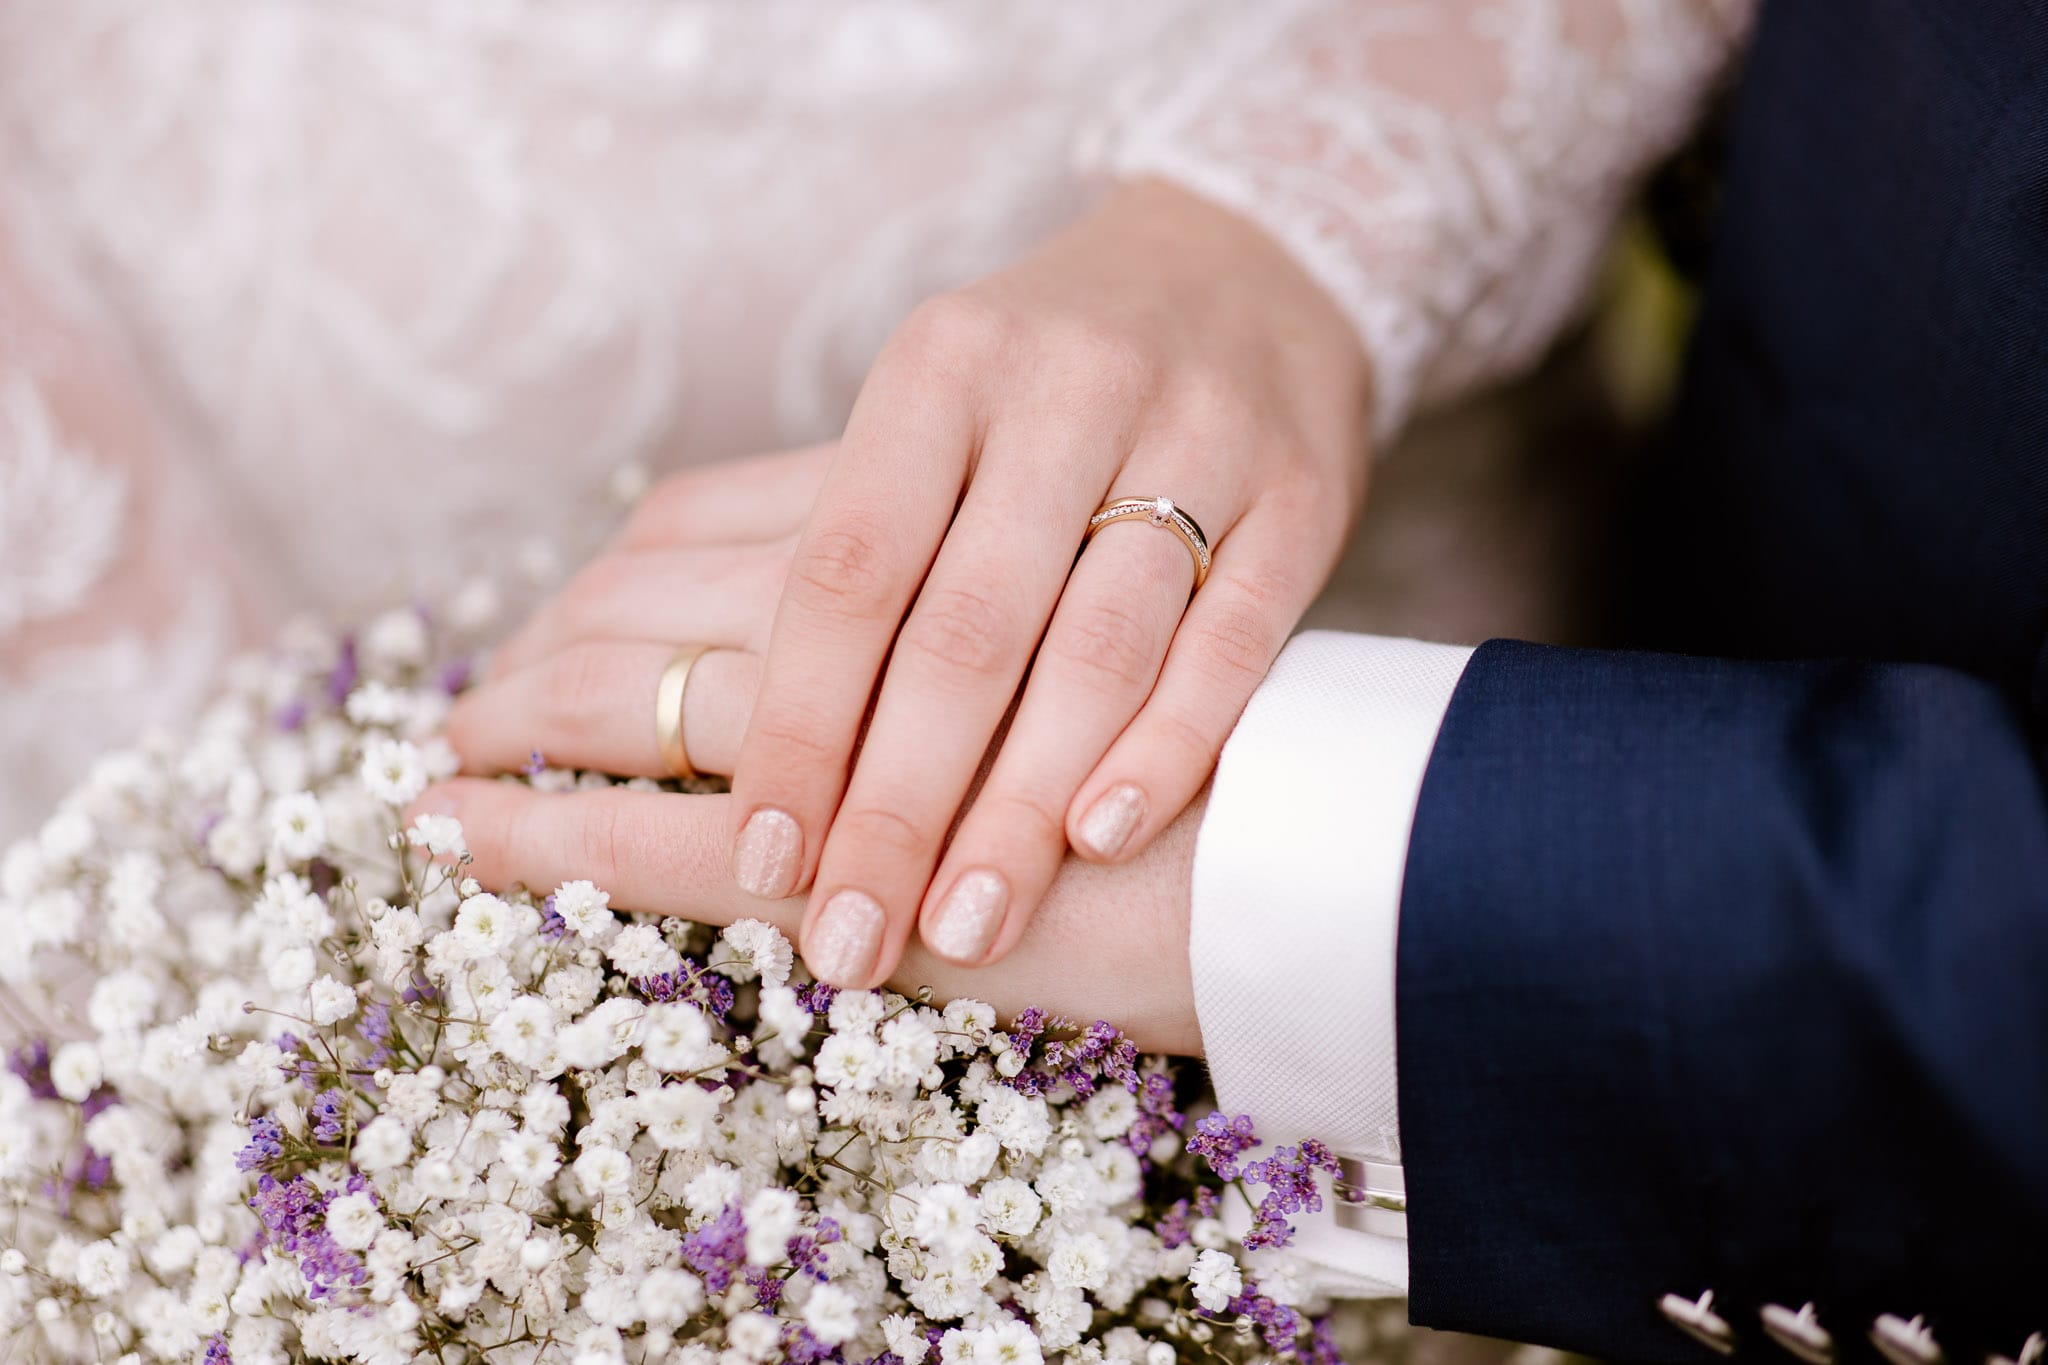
[
  {"x": 1099, "y": 660},
  {"x": 662, "y": 852},
  {"x": 762, "y": 497},
  {"x": 720, "y": 596},
  {"x": 591, "y": 706},
  {"x": 878, "y": 524},
  {"x": 1233, "y": 630},
  {"x": 956, "y": 666}
]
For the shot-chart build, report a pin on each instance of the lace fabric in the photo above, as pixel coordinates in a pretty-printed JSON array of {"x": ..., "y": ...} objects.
[
  {"x": 342, "y": 301},
  {"x": 1449, "y": 170}
]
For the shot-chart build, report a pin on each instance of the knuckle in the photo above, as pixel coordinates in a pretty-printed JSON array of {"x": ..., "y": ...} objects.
[
  {"x": 1106, "y": 641},
  {"x": 1105, "y": 360},
  {"x": 796, "y": 735},
  {"x": 885, "y": 831},
  {"x": 1209, "y": 405},
  {"x": 575, "y": 689},
  {"x": 948, "y": 329},
  {"x": 1187, "y": 736},
  {"x": 1026, "y": 817},
  {"x": 1234, "y": 643},
  {"x": 842, "y": 569},
  {"x": 604, "y": 839},
  {"x": 962, "y": 630}
]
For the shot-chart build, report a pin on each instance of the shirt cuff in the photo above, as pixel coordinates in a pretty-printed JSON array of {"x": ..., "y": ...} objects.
[{"x": 1297, "y": 900}]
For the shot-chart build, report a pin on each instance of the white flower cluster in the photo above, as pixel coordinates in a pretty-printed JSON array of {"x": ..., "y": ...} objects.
[{"x": 286, "y": 1085}]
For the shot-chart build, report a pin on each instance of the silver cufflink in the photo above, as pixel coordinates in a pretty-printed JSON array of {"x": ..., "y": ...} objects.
[
  {"x": 1800, "y": 1333},
  {"x": 1698, "y": 1320},
  {"x": 1372, "y": 1196},
  {"x": 2030, "y": 1354},
  {"x": 1905, "y": 1343}
]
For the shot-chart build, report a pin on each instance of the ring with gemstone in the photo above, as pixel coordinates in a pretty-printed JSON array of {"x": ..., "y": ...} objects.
[{"x": 1158, "y": 512}]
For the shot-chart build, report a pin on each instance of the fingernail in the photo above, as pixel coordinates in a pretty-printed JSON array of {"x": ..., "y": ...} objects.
[
  {"x": 1111, "y": 821},
  {"x": 842, "y": 946},
  {"x": 967, "y": 920},
  {"x": 766, "y": 855}
]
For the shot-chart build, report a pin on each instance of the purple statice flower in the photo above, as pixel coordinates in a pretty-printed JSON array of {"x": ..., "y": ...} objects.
[
  {"x": 817, "y": 997},
  {"x": 376, "y": 1031},
  {"x": 1082, "y": 1059},
  {"x": 1024, "y": 1032},
  {"x": 294, "y": 1217},
  {"x": 455, "y": 674},
  {"x": 1277, "y": 1322},
  {"x": 807, "y": 1250},
  {"x": 265, "y": 1145},
  {"x": 1290, "y": 1177},
  {"x": 1157, "y": 1113},
  {"x": 89, "y": 1169},
  {"x": 1172, "y": 1230},
  {"x": 1175, "y": 1229},
  {"x": 420, "y": 992},
  {"x": 341, "y": 679},
  {"x": 718, "y": 1250},
  {"x": 1322, "y": 1343},
  {"x": 767, "y": 1287},
  {"x": 553, "y": 927},
  {"x": 31, "y": 1062},
  {"x": 1098, "y": 1053},
  {"x": 801, "y": 1348},
  {"x": 217, "y": 1352},
  {"x": 297, "y": 1065},
  {"x": 1220, "y": 1141},
  {"x": 691, "y": 982},
  {"x": 536, "y": 763},
  {"x": 291, "y": 716},
  {"x": 330, "y": 1115}
]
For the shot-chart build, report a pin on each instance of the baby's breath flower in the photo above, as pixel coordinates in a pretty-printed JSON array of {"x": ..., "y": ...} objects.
[
  {"x": 329, "y": 1099},
  {"x": 394, "y": 770}
]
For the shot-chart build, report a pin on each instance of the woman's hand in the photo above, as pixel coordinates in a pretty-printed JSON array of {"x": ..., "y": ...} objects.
[
  {"x": 1163, "y": 347},
  {"x": 1108, "y": 942}
]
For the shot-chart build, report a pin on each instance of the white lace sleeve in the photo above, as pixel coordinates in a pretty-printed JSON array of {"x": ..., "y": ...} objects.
[
  {"x": 114, "y": 608},
  {"x": 1447, "y": 169}
]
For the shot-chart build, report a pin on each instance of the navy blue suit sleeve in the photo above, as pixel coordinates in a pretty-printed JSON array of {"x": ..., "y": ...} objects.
[{"x": 1726, "y": 975}]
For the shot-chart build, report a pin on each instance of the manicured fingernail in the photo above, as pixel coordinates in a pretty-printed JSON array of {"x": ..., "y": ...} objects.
[
  {"x": 842, "y": 946},
  {"x": 767, "y": 853},
  {"x": 1112, "y": 820},
  {"x": 967, "y": 920}
]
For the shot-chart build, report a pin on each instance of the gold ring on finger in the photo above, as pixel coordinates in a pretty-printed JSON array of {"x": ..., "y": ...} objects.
[
  {"x": 668, "y": 712},
  {"x": 1159, "y": 512}
]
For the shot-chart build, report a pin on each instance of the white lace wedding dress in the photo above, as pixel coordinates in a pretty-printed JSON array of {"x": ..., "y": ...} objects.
[{"x": 321, "y": 304}]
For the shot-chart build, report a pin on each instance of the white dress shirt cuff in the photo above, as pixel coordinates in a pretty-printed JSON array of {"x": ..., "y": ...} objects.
[{"x": 1297, "y": 899}]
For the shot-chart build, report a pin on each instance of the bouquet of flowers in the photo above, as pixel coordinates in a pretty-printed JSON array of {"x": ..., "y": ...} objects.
[{"x": 285, "y": 1084}]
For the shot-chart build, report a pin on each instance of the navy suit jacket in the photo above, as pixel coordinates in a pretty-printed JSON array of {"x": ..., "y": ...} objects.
[{"x": 1727, "y": 967}]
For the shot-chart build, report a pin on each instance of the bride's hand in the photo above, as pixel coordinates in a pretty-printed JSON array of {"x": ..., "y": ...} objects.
[
  {"x": 1162, "y": 347},
  {"x": 1107, "y": 942}
]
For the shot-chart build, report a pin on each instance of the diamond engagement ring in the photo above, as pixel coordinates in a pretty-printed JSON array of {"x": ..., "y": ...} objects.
[{"x": 1162, "y": 513}]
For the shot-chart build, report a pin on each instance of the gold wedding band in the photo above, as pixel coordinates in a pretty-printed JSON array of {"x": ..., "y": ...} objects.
[
  {"x": 668, "y": 712},
  {"x": 1162, "y": 513}
]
